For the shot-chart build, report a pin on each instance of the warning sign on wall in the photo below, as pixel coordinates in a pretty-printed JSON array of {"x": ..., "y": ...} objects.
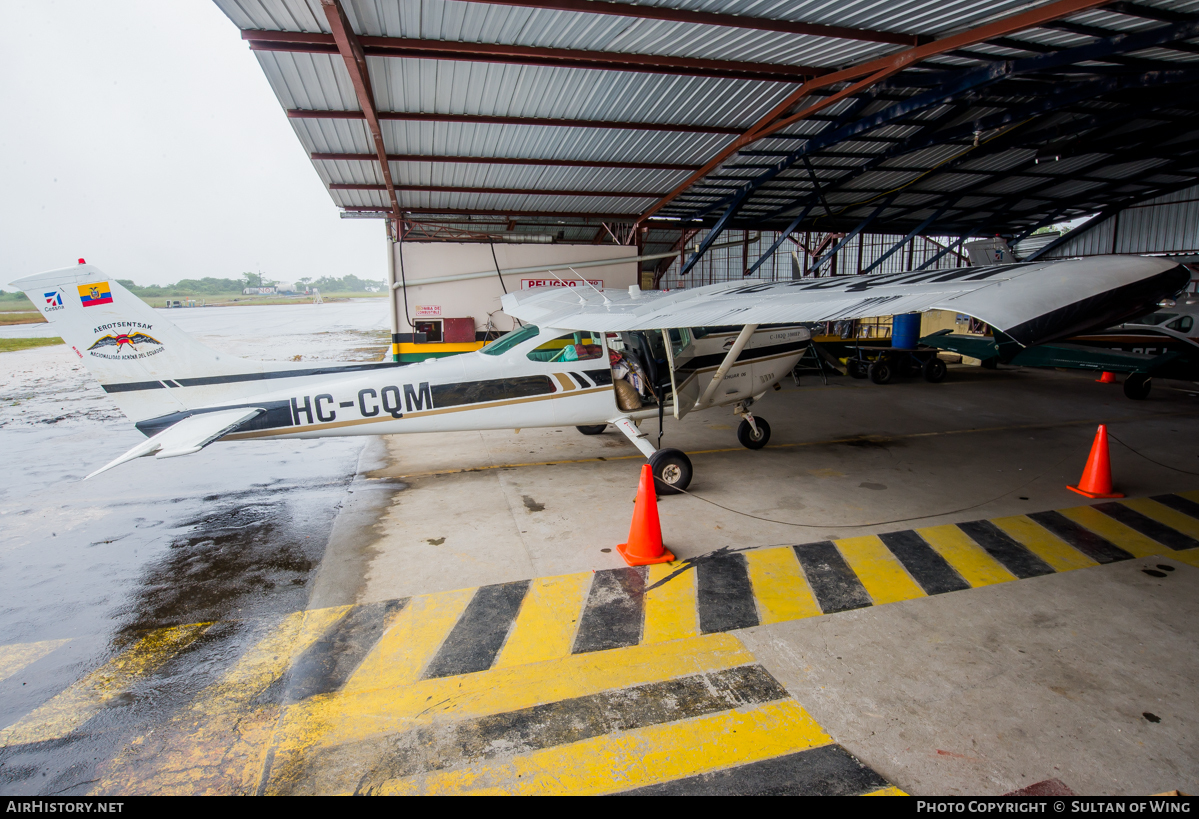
[
  {"x": 427, "y": 310},
  {"x": 526, "y": 284}
]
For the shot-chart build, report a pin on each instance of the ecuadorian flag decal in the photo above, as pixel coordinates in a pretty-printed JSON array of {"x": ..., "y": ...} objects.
[{"x": 93, "y": 294}]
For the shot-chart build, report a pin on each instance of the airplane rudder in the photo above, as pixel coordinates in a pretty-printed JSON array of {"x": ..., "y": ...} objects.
[{"x": 120, "y": 339}]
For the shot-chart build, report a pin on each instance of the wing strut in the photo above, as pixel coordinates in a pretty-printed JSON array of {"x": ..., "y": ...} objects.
[{"x": 746, "y": 333}]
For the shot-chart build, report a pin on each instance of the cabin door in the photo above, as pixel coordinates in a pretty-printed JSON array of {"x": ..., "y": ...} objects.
[{"x": 684, "y": 384}]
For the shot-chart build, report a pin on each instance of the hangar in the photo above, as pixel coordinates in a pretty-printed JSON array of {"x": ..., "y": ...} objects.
[
  {"x": 724, "y": 139},
  {"x": 900, "y": 594}
]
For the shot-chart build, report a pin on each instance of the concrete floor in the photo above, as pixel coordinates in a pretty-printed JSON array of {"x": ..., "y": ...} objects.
[
  {"x": 982, "y": 692},
  {"x": 994, "y": 690},
  {"x": 848, "y": 459}
]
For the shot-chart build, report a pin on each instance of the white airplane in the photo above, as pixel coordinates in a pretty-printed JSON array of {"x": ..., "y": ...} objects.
[{"x": 586, "y": 358}]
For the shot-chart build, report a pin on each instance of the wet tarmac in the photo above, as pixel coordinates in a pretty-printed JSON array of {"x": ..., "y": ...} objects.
[{"x": 173, "y": 564}]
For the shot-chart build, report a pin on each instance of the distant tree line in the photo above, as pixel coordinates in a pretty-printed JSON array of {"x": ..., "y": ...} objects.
[
  {"x": 210, "y": 286},
  {"x": 346, "y": 284}
]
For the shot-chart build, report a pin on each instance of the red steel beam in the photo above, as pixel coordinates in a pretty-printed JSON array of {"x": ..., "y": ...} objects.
[
  {"x": 874, "y": 71},
  {"x": 493, "y": 160},
  {"x": 552, "y": 214},
  {"x": 474, "y": 119},
  {"x": 355, "y": 60},
  {"x": 707, "y": 18},
  {"x": 318, "y": 43},
  {"x": 516, "y": 214},
  {"x": 354, "y": 186}
]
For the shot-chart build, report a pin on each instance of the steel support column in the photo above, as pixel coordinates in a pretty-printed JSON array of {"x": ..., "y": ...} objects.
[
  {"x": 898, "y": 245},
  {"x": 715, "y": 232},
  {"x": 850, "y": 236},
  {"x": 949, "y": 248},
  {"x": 782, "y": 238}
]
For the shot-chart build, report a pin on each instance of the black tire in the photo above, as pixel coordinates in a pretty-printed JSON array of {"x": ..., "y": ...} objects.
[
  {"x": 881, "y": 372},
  {"x": 672, "y": 471},
  {"x": 745, "y": 434},
  {"x": 1137, "y": 386},
  {"x": 935, "y": 370},
  {"x": 990, "y": 363},
  {"x": 592, "y": 429},
  {"x": 855, "y": 368}
]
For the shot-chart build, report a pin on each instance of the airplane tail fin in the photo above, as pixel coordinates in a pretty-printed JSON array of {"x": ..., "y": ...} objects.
[{"x": 139, "y": 357}]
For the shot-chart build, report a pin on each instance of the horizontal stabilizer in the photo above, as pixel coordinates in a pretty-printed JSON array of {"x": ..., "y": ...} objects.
[{"x": 189, "y": 435}]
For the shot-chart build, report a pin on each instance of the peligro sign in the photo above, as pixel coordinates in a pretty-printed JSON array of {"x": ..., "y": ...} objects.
[{"x": 527, "y": 284}]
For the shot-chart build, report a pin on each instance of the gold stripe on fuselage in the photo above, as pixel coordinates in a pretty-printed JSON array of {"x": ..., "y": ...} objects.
[{"x": 272, "y": 433}]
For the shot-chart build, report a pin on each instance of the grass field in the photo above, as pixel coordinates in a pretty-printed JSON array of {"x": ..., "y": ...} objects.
[
  {"x": 21, "y": 317},
  {"x": 231, "y": 299},
  {"x": 8, "y": 345}
]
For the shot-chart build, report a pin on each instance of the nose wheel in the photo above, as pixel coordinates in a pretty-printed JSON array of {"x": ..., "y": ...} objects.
[{"x": 755, "y": 435}]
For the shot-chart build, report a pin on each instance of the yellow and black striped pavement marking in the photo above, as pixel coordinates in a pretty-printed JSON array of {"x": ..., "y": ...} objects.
[{"x": 614, "y": 681}]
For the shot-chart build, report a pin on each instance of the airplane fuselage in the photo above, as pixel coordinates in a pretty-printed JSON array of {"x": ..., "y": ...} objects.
[{"x": 484, "y": 391}]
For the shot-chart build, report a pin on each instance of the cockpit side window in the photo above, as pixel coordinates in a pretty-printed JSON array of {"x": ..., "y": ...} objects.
[
  {"x": 570, "y": 347},
  {"x": 679, "y": 340},
  {"x": 1154, "y": 318},
  {"x": 1182, "y": 324},
  {"x": 507, "y": 342}
]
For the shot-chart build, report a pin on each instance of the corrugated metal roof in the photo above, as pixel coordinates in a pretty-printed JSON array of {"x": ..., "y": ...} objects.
[{"x": 945, "y": 149}]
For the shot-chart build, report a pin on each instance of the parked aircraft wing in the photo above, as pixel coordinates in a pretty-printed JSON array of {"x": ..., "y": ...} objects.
[
  {"x": 1032, "y": 303},
  {"x": 1174, "y": 365},
  {"x": 187, "y": 436}
]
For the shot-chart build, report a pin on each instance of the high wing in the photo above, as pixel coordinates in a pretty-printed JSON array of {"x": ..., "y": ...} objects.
[
  {"x": 187, "y": 436},
  {"x": 1032, "y": 303}
]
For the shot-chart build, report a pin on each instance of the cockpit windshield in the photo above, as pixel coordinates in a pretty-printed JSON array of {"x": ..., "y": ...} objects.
[
  {"x": 506, "y": 343},
  {"x": 1154, "y": 318}
]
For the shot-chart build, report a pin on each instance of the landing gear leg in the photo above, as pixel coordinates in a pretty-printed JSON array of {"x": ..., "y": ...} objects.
[
  {"x": 753, "y": 433},
  {"x": 671, "y": 467}
]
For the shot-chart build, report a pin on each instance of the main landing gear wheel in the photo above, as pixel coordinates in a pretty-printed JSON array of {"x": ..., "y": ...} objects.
[
  {"x": 1137, "y": 386},
  {"x": 672, "y": 471},
  {"x": 747, "y": 437},
  {"x": 881, "y": 372},
  {"x": 592, "y": 429},
  {"x": 935, "y": 370}
]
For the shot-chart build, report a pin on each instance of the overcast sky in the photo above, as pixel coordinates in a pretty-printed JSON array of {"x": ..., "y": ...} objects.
[{"x": 142, "y": 136}]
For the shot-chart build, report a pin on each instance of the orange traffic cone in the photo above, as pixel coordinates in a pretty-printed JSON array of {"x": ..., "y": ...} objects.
[
  {"x": 1106, "y": 378},
  {"x": 1096, "y": 479},
  {"x": 645, "y": 535}
]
